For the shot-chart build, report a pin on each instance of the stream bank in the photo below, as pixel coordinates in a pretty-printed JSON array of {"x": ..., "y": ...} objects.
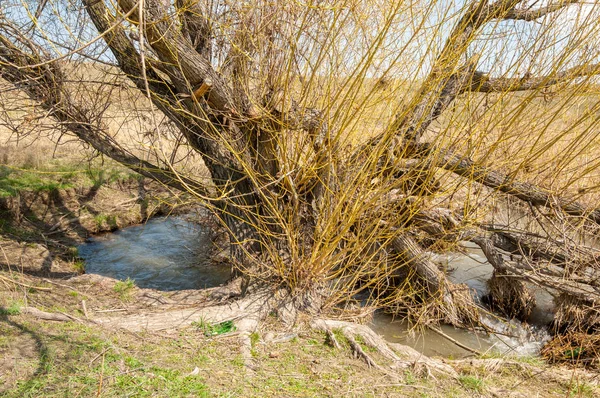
[
  {"x": 40, "y": 230},
  {"x": 40, "y": 357}
]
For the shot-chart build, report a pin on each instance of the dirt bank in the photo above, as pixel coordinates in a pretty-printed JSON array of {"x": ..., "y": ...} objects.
[{"x": 40, "y": 230}]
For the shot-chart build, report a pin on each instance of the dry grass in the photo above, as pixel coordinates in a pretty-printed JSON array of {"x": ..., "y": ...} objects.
[
  {"x": 574, "y": 348},
  {"x": 510, "y": 297},
  {"x": 573, "y": 315}
]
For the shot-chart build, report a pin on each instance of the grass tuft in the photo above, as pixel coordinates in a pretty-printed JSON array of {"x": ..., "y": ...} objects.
[
  {"x": 471, "y": 383},
  {"x": 13, "y": 309},
  {"x": 210, "y": 329}
]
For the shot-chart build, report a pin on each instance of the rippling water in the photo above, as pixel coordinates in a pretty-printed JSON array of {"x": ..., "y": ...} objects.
[{"x": 164, "y": 254}]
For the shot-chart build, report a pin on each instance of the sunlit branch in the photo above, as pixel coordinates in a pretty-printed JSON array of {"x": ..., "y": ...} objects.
[
  {"x": 465, "y": 167},
  {"x": 531, "y": 14},
  {"x": 482, "y": 83}
]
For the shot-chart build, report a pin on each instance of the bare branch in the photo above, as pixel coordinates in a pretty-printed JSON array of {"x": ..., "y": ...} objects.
[
  {"x": 527, "y": 192},
  {"x": 49, "y": 91},
  {"x": 197, "y": 130},
  {"x": 535, "y": 13},
  {"x": 196, "y": 26},
  {"x": 123, "y": 49},
  {"x": 482, "y": 83},
  {"x": 170, "y": 45},
  {"x": 529, "y": 273}
]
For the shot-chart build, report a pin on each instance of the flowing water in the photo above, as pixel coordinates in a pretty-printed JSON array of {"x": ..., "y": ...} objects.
[
  {"x": 173, "y": 254},
  {"x": 164, "y": 254},
  {"x": 515, "y": 338}
]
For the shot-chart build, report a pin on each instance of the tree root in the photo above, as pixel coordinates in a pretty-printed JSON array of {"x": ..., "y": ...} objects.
[
  {"x": 332, "y": 339},
  {"x": 47, "y": 316},
  {"x": 248, "y": 313},
  {"x": 401, "y": 357},
  {"x": 359, "y": 352}
]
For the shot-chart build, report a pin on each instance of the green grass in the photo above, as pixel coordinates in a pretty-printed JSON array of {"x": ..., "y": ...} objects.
[
  {"x": 13, "y": 309},
  {"x": 99, "y": 176},
  {"x": 12, "y": 181},
  {"x": 56, "y": 175},
  {"x": 581, "y": 390},
  {"x": 210, "y": 329},
  {"x": 71, "y": 359},
  {"x": 110, "y": 220},
  {"x": 8, "y": 228},
  {"x": 124, "y": 288},
  {"x": 471, "y": 383},
  {"x": 79, "y": 266},
  {"x": 92, "y": 366}
]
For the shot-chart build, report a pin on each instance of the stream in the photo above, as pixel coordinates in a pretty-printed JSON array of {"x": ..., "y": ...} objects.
[{"x": 173, "y": 254}]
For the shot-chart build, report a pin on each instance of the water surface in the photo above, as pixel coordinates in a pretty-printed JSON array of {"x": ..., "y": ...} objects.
[
  {"x": 173, "y": 254},
  {"x": 164, "y": 253}
]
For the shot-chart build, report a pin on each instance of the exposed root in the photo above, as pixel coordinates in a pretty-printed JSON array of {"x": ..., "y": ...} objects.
[
  {"x": 247, "y": 313},
  {"x": 175, "y": 319},
  {"x": 510, "y": 296},
  {"x": 246, "y": 350},
  {"x": 47, "y": 316},
  {"x": 359, "y": 352},
  {"x": 332, "y": 339},
  {"x": 401, "y": 357}
]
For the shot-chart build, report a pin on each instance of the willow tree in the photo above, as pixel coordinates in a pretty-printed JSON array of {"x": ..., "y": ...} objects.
[{"x": 348, "y": 140}]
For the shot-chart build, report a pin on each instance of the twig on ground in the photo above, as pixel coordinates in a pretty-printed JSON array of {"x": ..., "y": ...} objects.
[
  {"x": 47, "y": 316},
  {"x": 67, "y": 286},
  {"x": 43, "y": 289},
  {"x": 83, "y": 306}
]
